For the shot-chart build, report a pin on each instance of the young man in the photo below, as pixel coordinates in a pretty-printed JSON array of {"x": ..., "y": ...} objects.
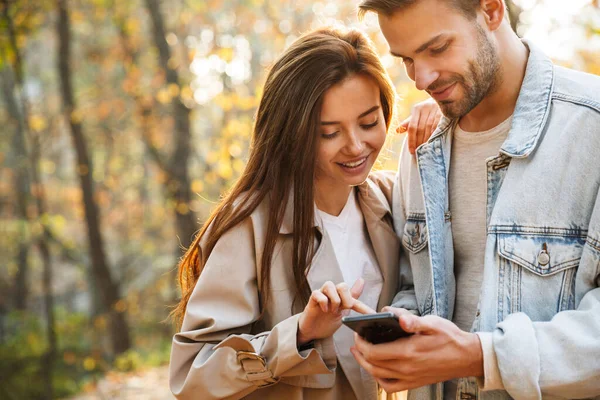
[{"x": 499, "y": 214}]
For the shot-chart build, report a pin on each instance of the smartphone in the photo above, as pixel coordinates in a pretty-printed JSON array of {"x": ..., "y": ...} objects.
[{"x": 376, "y": 328}]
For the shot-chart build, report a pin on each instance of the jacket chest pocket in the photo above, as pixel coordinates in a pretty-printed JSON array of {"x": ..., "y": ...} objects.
[
  {"x": 537, "y": 274},
  {"x": 414, "y": 237}
]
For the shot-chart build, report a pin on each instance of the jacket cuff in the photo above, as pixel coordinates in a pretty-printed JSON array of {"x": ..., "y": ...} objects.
[
  {"x": 279, "y": 348},
  {"x": 492, "y": 380},
  {"x": 517, "y": 352}
]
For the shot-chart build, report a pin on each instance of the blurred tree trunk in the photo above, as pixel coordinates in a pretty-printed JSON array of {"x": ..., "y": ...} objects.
[
  {"x": 22, "y": 180},
  {"x": 23, "y": 192},
  {"x": 10, "y": 88},
  {"x": 107, "y": 287},
  {"x": 177, "y": 164},
  {"x": 24, "y": 131},
  {"x": 43, "y": 240}
]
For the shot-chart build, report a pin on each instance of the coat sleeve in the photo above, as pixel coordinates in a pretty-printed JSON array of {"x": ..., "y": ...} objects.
[{"x": 215, "y": 353}]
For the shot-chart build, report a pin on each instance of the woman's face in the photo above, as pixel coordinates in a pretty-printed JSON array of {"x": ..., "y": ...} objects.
[{"x": 352, "y": 132}]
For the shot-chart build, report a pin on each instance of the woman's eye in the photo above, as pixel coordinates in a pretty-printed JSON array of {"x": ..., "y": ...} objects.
[
  {"x": 329, "y": 135},
  {"x": 371, "y": 125}
]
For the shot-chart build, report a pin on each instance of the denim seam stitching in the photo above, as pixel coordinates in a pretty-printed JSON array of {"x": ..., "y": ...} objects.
[
  {"x": 577, "y": 100},
  {"x": 539, "y": 231},
  {"x": 594, "y": 243}
]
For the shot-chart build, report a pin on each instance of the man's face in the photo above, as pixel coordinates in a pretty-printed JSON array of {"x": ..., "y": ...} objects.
[{"x": 445, "y": 53}]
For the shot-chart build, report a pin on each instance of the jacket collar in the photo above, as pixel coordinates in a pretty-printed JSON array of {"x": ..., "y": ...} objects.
[
  {"x": 533, "y": 105},
  {"x": 531, "y": 110}
]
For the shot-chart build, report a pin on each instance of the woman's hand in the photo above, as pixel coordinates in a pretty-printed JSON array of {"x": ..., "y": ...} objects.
[
  {"x": 422, "y": 122},
  {"x": 323, "y": 314}
]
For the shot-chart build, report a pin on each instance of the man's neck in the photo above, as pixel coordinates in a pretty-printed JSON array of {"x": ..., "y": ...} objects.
[{"x": 500, "y": 105}]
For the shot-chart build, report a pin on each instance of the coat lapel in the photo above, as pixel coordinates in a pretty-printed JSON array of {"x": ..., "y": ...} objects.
[{"x": 384, "y": 240}]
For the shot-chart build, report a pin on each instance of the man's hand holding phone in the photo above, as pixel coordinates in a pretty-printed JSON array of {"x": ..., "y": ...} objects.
[
  {"x": 437, "y": 351},
  {"x": 323, "y": 314}
]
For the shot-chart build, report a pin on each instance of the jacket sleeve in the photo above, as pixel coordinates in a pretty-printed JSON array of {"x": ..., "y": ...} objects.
[
  {"x": 405, "y": 298},
  {"x": 215, "y": 354},
  {"x": 560, "y": 357}
]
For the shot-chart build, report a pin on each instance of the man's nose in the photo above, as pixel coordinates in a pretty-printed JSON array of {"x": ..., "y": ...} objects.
[{"x": 425, "y": 76}]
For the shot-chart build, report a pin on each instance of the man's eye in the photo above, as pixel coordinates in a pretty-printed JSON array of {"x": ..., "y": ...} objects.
[
  {"x": 407, "y": 61},
  {"x": 440, "y": 49}
]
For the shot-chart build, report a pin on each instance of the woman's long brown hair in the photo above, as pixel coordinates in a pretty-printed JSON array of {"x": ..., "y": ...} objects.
[{"x": 283, "y": 152}]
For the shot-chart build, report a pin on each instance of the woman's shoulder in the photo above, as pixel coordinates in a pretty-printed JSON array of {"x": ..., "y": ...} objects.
[{"x": 246, "y": 228}]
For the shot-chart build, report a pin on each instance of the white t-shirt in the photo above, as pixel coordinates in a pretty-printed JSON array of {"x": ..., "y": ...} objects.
[
  {"x": 468, "y": 206},
  {"x": 353, "y": 249}
]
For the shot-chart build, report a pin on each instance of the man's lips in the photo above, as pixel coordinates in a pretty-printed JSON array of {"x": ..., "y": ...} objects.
[{"x": 443, "y": 94}]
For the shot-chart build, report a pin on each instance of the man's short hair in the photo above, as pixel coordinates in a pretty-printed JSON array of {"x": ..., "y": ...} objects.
[{"x": 388, "y": 7}]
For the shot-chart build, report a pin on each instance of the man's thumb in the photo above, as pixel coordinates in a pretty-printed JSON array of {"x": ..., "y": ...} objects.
[{"x": 414, "y": 324}]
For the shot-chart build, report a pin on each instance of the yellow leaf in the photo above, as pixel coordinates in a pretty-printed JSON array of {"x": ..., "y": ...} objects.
[
  {"x": 100, "y": 322},
  {"x": 132, "y": 25},
  {"x": 187, "y": 93},
  {"x": 197, "y": 186},
  {"x": 120, "y": 306},
  {"x": 226, "y": 53},
  {"x": 182, "y": 209},
  {"x": 89, "y": 364},
  {"x": 173, "y": 89},
  {"x": 37, "y": 123},
  {"x": 76, "y": 116},
  {"x": 224, "y": 170},
  {"x": 48, "y": 167},
  {"x": 163, "y": 96}
]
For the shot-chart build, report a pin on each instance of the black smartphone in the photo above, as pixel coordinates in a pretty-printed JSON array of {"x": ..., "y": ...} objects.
[{"x": 376, "y": 328}]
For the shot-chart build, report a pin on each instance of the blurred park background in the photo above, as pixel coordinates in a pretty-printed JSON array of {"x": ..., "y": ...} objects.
[{"x": 122, "y": 123}]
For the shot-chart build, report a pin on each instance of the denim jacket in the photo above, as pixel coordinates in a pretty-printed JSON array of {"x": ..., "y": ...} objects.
[{"x": 540, "y": 298}]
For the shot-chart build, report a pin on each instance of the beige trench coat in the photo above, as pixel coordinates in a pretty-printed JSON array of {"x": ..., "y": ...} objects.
[{"x": 225, "y": 352}]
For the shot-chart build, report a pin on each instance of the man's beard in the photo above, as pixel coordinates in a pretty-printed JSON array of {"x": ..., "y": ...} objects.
[{"x": 482, "y": 79}]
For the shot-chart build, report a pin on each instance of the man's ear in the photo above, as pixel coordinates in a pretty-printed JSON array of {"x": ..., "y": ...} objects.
[{"x": 493, "y": 13}]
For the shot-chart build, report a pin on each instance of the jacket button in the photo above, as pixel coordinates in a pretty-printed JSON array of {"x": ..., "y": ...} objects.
[{"x": 543, "y": 258}]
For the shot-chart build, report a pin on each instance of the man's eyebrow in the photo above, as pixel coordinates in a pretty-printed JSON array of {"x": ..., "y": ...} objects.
[
  {"x": 421, "y": 48},
  {"x": 369, "y": 111}
]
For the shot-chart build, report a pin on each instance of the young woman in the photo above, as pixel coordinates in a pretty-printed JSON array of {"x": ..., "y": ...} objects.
[{"x": 303, "y": 237}]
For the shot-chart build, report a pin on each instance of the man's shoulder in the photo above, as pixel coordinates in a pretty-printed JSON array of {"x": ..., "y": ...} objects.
[{"x": 577, "y": 87}]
